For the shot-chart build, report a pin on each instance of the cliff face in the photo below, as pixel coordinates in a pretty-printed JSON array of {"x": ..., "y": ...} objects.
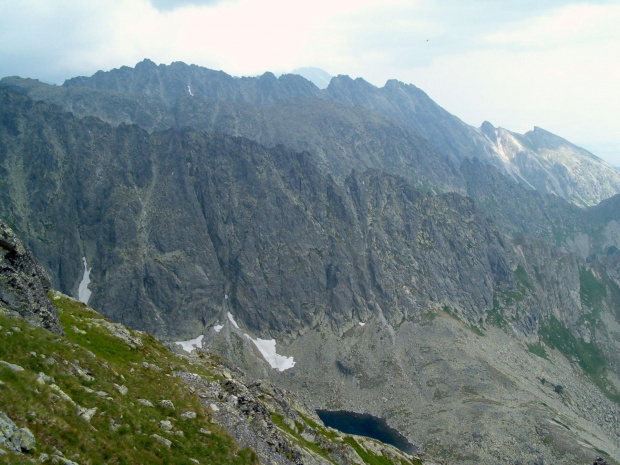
[
  {"x": 160, "y": 96},
  {"x": 182, "y": 219},
  {"x": 24, "y": 284}
]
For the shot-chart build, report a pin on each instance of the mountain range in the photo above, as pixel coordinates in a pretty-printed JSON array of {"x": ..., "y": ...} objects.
[{"x": 461, "y": 282}]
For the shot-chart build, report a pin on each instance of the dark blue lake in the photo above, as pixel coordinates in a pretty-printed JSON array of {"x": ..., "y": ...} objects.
[{"x": 363, "y": 424}]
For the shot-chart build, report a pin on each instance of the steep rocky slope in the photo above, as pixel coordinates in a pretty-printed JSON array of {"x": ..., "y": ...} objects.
[
  {"x": 537, "y": 159},
  {"x": 106, "y": 394},
  {"x": 265, "y": 227},
  {"x": 24, "y": 284}
]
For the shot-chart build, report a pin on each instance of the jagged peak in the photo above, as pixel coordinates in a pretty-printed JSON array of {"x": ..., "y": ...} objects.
[{"x": 147, "y": 63}]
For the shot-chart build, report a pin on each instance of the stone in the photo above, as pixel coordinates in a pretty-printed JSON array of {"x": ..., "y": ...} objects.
[
  {"x": 146, "y": 402},
  {"x": 86, "y": 413},
  {"x": 122, "y": 389},
  {"x": 152, "y": 366},
  {"x": 164, "y": 441},
  {"x": 11, "y": 366},
  {"x": 24, "y": 440},
  {"x": 43, "y": 458},
  {"x": 78, "y": 330},
  {"x": 189, "y": 414},
  {"x": 63, "y": 395},
  {"x": 165, "y": 425},
  {"x": 83, "y": 374},
  {"x": 14, "y": 438},
  {"x": 205, "y": 431},
  {"x": 166, "y": 404},
  {"x": 43, "y": 379},
  {"x": 59, "y": 459}
]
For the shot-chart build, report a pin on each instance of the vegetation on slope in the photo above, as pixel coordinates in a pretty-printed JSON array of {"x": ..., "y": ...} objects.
[
  {"x": 108, "y": 395},
  {"x": 93, "y": 367}
]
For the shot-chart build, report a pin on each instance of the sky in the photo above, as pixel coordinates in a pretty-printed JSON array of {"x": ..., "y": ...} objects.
[{"x": 518, "y": 64}]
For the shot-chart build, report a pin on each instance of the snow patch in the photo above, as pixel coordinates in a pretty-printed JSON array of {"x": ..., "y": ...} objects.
[
  {"x": 231, "y": 318},
  {"x": 189, "y": 89},
  {"x": 83, "y": 292},
  {"x": 218, "y": 328},
  {"x": 267, "y": 348},
  {"x": 192, "y": 344}
]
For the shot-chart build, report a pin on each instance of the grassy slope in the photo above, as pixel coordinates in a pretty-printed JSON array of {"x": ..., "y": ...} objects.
[{"x": 120, "y": 431}]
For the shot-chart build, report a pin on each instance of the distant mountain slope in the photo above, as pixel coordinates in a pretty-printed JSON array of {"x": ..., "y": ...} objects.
[
  {"x": 263, "y": 226},
  {"x": 554, "y": 165},
  {"x": 556, "y": 168},
  {"x": 316, "y": 76},
  {"x": 168, "y": 83},
  {"x": 538, "y": 159}
]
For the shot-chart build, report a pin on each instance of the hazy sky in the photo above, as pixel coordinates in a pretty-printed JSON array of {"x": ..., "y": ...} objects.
[{"x": 553, "y": 64}]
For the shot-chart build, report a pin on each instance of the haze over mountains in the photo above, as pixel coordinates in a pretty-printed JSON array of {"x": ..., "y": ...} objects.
[{"x": 445, "y": 277}]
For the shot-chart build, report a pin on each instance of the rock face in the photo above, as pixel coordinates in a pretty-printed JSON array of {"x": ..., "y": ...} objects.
[
  {"x": 265, "y": 227},
  {"x": 24, "y": 284},
  {"x": 476, "y": 325},
  {"x": 268, "y": 110},
  {"x": 14, "y": 438}
]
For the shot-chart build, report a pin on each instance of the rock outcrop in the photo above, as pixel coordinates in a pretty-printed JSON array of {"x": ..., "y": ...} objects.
[{"x": 24, "y": 284}]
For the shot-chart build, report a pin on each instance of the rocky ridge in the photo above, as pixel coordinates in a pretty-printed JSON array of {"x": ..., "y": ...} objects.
[{"x": 537, "y": 159}]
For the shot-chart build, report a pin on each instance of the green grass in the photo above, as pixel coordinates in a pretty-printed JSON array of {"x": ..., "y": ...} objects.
[
  {"x": 522, "y": 278},
  {"x": 371, "y": 458},
  {"x": 278, "y": 420},
  {"x": 588, "y": 355},
  {"x": 591, "y": 291},
  {"x": 537, "y": 350},
  {"x": 54, "y": 421},
  {"x": 495, "y": 316}
]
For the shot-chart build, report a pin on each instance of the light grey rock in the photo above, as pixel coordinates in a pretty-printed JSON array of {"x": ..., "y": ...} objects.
[
  {"x": 152, "y": 366},
  {"x": 14, "y": 438},
  {"x": 43, "y": 379},
  {"x": 24, "y": 440},
  {"x": 122, "y": 389},
  {"x": 164, "y": 441},
  {"x": 165, "y": 425},
  {"x": 63, "y": 395},
  {"x": 11, "y": 366},
  {"x": 146, "y": 402},
  {"x": 87, "y": 413},
  {"x": 58, "y": 459},
  {"x": 189, "y": 414},
  {"x": 166, "y": 403}
]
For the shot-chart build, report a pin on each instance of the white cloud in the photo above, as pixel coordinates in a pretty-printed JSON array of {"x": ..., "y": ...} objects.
[
  {"x": 571, "y": 25},
  {"x": 553, "y": 64}
]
